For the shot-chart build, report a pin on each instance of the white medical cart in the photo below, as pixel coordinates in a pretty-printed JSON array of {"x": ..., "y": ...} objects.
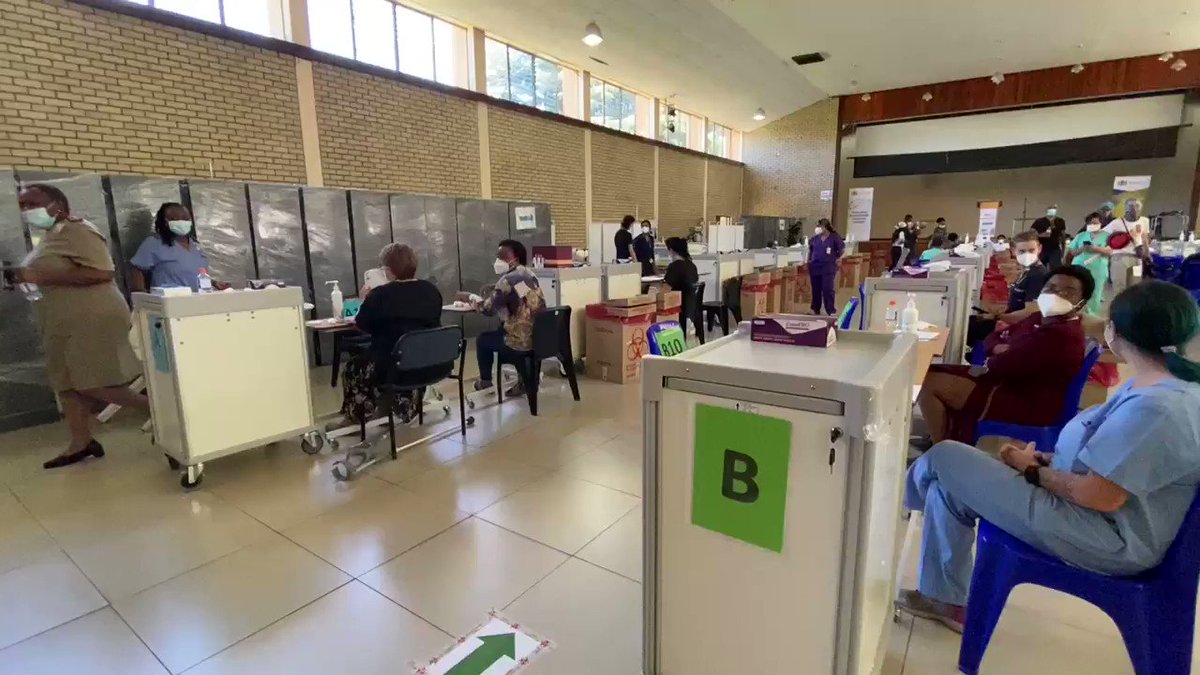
[
  {"x": 621, "y": 280},
  {"x": 226, "y": 371},
  {"x": 773, "y": 484},
  {"x": 943, "y": 299},
  {"x": 575, "y": 287}
]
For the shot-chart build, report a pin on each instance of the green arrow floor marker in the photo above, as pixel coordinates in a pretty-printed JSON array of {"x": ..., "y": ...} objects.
[{"x": 494, "y": 648}]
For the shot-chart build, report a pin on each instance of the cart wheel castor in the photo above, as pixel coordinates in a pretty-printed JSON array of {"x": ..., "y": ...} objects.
[
  {"x": 311, "y": 444},
  {"x": 446, "y": 410},
  {"x": 173, "y": 463},
  {"x": 471, "y": 421},
  {"x": 342, "y": 472},
  {"x": 191, "y": 478},
  {"x": 471, "y": 404}
]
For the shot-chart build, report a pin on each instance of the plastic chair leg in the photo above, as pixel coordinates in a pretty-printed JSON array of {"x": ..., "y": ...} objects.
[
  {"x": 420, "y": 406},
  {"x": 990, "y": 585},
  {"x": 569, "y": 365},
  {"x": 1155, "y": 647},
  {"x": 462, "y": 401},
  {"x": 710, "y": 320},
  {"x": 533, "y": 381},
  {"x": 499, "y": 380},
  {"x": 391, "y": 410},
  {"x": 725, "y": 320}
]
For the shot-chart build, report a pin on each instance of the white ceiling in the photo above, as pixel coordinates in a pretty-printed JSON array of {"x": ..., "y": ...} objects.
[{"x": 725, "y": 58}]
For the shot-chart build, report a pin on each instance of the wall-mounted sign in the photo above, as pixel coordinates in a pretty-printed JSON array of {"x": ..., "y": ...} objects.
[
  {"x": 526, "y": 217},
  {"x": 826, "y": 195}
]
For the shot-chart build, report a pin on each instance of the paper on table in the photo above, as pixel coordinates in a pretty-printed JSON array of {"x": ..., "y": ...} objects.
[
  {"x": 924, "y": 325},
  {"x": 926, "y": 336}
]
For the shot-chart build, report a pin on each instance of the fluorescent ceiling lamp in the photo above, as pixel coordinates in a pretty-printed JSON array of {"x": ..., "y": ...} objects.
[
  {"x": 760, "y": 114},
  {"x": 592, "y": 36}
]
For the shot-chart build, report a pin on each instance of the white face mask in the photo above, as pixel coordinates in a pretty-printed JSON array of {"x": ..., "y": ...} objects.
[
  {"x": 1050, "y": 304},
  {"x": 180, "y": 227},
  {"x": 500, "y": 266},
  {"x": 1026, "y": 259},
  {"x": 38, "y": 218},
  {"x": 818, "y": 231},
  {"x": 1093, "y": 227},
  {"x": 645, "y": 230},
  {"x": 1050, "y": 213}
]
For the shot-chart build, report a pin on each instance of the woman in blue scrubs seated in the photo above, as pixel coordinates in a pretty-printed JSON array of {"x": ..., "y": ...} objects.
[
  {"x": 1112, "y": 495},
  {"x": 171, "y": 256}
]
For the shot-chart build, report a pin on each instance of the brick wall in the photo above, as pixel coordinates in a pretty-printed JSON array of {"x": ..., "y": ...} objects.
[
  {"x": 381, "y": 134},
  {"x": 540, "y": 160},
  {"x": 789, "y": 162},
  {"x": 622, "y": 177},
  {"x": 680, "y": 191},
  {"x": 87, "y": 90},
  {"x": 724, "y": 189}
]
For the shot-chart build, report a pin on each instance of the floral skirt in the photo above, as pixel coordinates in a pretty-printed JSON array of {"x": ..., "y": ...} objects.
[{"x": 360, "y": 392}]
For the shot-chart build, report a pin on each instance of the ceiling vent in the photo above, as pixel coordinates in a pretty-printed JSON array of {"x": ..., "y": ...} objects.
[
  {"x": 600, "y": 61},
  {"x": 808, "y": 59}
]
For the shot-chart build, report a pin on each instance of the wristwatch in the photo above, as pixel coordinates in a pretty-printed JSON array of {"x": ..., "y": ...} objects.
[{"x": 1032, "y": 475}]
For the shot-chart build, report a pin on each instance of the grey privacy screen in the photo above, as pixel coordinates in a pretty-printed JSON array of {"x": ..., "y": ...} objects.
[{"x": 223, "y": 227}]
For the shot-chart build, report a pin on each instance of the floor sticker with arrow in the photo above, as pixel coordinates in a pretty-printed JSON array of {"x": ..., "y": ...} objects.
[{"x": 498, "y": 647}]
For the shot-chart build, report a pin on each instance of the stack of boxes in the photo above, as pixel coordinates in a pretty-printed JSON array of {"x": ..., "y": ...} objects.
[
  {"x": 756, "y": 289},
  {"x": 616, "y": 337}
]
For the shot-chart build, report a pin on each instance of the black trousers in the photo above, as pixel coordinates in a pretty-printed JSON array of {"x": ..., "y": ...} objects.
[{"x": 896, "y": 253}]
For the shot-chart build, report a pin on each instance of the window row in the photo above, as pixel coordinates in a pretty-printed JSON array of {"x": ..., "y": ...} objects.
[
  {"x": 261, "y": 17},
  {"x": 385, "y": 34}
]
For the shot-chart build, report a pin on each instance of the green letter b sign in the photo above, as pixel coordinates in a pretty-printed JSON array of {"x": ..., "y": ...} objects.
[{"x": 740, "y": 474}]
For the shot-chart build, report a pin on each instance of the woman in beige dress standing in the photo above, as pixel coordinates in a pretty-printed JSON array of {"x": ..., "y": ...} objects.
[{"x": 83, "y": 318}]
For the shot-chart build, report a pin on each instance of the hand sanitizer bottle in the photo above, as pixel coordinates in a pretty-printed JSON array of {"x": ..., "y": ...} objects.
[
  {"x": 203, "y": 281},
  {"x": 908, "y": 318},
  {"x": 335, "y": 299}
]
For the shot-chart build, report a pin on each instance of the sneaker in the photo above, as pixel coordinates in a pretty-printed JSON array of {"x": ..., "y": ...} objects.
[{"x": 950, "y": 616}]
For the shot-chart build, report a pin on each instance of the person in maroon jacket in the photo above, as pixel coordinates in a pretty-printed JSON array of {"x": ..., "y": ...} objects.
[{"x": 1030, "y": 365}]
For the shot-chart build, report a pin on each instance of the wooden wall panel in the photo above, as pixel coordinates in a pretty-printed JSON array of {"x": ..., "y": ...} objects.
[{"x": 1121, "y": 77}]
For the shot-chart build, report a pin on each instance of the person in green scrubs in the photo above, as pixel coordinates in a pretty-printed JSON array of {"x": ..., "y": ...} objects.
[{"x": 1089, "y": 249}]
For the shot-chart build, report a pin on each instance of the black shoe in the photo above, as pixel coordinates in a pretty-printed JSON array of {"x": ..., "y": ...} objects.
[
  {"x": 483, "y": 385},
  {"x": 516, "y": 390},
  {"x": 92, "y": 449}
]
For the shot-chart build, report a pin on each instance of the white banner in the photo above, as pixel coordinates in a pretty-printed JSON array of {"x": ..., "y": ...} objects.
[
  {"x": 858, "y": 222},
  {"x": 988, "y": 212}
]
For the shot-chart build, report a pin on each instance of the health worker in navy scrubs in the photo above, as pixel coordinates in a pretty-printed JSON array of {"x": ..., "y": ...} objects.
[{"x": 171, "y": 256}]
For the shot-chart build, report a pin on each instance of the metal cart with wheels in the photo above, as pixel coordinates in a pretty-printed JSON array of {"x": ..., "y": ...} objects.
[{"x": 226, "y": 372}]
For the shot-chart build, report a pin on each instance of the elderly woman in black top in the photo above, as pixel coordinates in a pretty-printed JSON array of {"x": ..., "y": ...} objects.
[{"x": 403, "y": 304}]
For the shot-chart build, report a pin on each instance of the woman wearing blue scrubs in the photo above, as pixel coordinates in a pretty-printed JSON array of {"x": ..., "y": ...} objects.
[
  {"x": 1110, "y": 498},
  {"x": 171, "y": 256}
]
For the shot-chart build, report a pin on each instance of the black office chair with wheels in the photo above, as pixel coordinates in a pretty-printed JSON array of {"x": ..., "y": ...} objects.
[
  {"x": 551, "y": 339},
  {"x": 691, "y": 309},
  {"x": 420, "y": 359},
  {"x": 730, "y": 303}
]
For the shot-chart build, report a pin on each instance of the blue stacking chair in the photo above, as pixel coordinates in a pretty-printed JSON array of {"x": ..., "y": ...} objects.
[
  {"x": 847, "y": 314},
  {"x": 1046, "y": 437},
  {"x": 1189, "y": 272},
  {"x": 862, "y": 302},
  {"x": 1155, "y": 610}
]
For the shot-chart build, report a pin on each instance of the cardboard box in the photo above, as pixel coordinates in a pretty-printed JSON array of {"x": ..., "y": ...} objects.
[
  {"x": 879, "y": 264},
  {"x": 787, "y": 297},
  {"x": 668, "y": 314},
  {"x": 851, "y": 271},
  {"x": 756, "y": 286},
  {"x": 775, "y": 294},
  {"x": 668, "y": 299},
  {"x": 616, "y": 344},
  {"x": 794, "y": 329},
  {"x": 803, "y": 293},
  {"x": 631, "y": 301}
]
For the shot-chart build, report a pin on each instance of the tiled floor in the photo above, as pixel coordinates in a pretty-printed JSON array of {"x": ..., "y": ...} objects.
[{"x": 274, "y": 567}]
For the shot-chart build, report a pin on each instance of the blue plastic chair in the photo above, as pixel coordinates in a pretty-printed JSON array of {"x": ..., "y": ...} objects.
[
  {"x": 1046, "y": 437},
  {"x": 847, "y": 314},
  {"x": 1155, "y": 610},
  {"x": 1189, "y": 272}
]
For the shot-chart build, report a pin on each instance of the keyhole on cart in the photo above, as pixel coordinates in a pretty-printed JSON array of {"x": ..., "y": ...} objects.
[{"x": 737, "y": 481}]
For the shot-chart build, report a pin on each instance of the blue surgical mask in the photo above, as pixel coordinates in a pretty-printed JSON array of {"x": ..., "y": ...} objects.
[
  {"x": 39, "y": 218},
  {"x": 181, "y": 228},
  {"x": 1051, "y": 212}
]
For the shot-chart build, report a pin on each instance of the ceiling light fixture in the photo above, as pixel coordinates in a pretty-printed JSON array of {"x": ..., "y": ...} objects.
[
  {"x": 1077, "y": 69},
  {"x": 1179, "y": 65},
  {"x": 927, "y": 97},
  {"x": 1166, "y": 56},
  {"x": 866, "y": 97},
  {"x": 997, "y": 78},
  {"x": 760, "y": 115},
  {"x": 592, "y": 35}
]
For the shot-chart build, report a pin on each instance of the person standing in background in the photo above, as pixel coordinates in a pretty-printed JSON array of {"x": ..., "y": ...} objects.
[
  {"x": 623, "y": 240},
  {"x": 643, "y": 249},
  {"x": 899, "y": 241},
  {"x": 1106, "y": 212},
  {"x": 940, "y": 228},
  {"x": 1052, "y": 232},
  {"x": 1125, "y": 235},
  {"x": 82, "y": 317},
  {"x": 911, "y": 232},
  {"x": 825, "y": 250},
  {"x": 171, "y": 256}
]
